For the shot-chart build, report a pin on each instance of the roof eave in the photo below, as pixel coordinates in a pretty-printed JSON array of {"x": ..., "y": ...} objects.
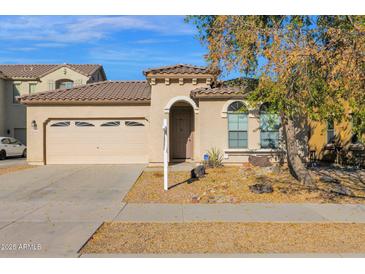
[{"x": 84, "y": 103}]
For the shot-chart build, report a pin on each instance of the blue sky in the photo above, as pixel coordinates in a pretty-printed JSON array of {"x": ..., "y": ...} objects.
[{"x": 124, "y": 45}]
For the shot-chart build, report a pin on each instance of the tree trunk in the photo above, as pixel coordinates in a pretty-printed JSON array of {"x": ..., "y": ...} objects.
[{"x": 296, "y": 166}]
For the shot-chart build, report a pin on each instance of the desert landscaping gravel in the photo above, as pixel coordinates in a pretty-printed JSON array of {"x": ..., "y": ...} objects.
[
  {"x": 231, "y": 184},
  {"x": 227, "y": 238}
]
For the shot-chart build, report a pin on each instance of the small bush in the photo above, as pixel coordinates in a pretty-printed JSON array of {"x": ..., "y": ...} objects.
[{"x": 215, "y": 158}]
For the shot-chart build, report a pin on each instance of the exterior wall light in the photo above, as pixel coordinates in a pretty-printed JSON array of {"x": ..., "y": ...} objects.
[{"x": 34, "y": 125}]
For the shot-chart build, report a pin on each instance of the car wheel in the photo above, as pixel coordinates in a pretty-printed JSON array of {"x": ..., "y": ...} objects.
[
  {"x": 2, "y": 155},
  {"x": 24, "y": 155}
]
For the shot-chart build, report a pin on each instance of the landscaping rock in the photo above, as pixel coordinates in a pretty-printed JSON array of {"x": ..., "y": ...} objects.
[
  {"x": 260, "y": 161},
  {"x": 341, "y": 190},
  {"x": 195, "y": 199},
  {"x": 329, "y": 180},
  {"x": 273, "y": 169},
  {"x": 261, "y": 188},
  {"x": 197, "y": 172}
]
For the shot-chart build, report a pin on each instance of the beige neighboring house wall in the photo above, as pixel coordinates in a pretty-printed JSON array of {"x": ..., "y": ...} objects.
[
  {"x": 2, "y": 106},
  {"x": 15, "y": 113},
  {"x": 43, "y": 114}
]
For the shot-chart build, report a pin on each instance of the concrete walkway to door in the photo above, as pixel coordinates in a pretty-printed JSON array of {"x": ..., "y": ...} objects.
[{"x": 58, "y": 208}]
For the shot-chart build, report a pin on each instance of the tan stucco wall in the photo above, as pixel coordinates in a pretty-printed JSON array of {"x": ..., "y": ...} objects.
[
  {"x": 15, "y": 114},
  {"x": 2, "y": 107},
  {"x": 214, "y": 131},
  {"x": 41, "y": 114},
  {"x": 161, "y": 94}
]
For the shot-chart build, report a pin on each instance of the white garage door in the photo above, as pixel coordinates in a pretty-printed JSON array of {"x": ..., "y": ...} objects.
[{"x": 96, "y": 142}]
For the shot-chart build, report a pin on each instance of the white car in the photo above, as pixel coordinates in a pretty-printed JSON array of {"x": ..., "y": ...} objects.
[{"x": 11, "y": 147}]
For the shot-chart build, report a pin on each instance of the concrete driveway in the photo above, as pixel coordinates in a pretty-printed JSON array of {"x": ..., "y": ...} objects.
[
  {"x": 13, "y": 161},
  {"x": 51, "y": 211}
]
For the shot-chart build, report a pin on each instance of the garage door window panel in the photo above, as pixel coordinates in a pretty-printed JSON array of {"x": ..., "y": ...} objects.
[
  {"x": 111, "y": 124},
  {"x": 61, "y": 124},
  {"x": 84, "y": 124},
  {"x": 133, "y": 124}
]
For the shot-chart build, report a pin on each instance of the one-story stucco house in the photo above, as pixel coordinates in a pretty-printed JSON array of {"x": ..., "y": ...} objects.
[{"x": 114, "y": 122}]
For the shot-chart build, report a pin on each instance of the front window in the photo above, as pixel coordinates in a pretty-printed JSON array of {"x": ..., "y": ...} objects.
[
  {"x": 64, "y": 84},
  {"x": 16, "y": 93},
  {"x": 269, "y": 126},
  {"x": 356, "y": 126},
  {"x": 330, "y": 132},
  {"x": 237, "y": 125},
  {"x": 32, "y": 88}
]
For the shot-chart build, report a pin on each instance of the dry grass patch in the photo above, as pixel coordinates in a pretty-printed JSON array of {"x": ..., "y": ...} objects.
[
  {"x": 228, "y": 184},
  {"x": 215, "y": 237},
  {"x": 10, "y": 169}
]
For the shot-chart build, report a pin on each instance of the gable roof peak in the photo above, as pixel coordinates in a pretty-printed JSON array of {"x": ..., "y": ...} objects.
[
  {"x": 182, "y": 69},
  {"x": 34, "y": 71}
]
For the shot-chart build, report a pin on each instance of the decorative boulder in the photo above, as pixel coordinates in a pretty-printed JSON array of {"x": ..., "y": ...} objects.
[
  {"x": 261, "y": 188},
  {"x": 260, "y": 161},
  {"x": 197, "y": 172}
]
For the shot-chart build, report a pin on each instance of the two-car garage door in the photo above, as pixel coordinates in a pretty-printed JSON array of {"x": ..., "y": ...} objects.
[{"x": 114, "y": 141}]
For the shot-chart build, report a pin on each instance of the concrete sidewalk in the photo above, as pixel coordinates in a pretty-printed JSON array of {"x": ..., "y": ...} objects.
[{"x": 248, "y": 212}]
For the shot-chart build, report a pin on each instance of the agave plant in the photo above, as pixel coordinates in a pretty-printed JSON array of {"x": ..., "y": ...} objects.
[{"x": 215, "y": 158}]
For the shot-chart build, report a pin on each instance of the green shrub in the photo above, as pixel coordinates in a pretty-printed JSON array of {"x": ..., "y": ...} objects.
[{"x": 215, "y": 158}]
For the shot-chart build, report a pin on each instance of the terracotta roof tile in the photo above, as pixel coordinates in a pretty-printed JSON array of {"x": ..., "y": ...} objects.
[
  {"x": 232, "y": 88},
  {"x": 2, "y": 75},
  {"x": 182, "y": 69},
  {"x": 39, "y": 70},
  {"x": 108, "y": 92}
]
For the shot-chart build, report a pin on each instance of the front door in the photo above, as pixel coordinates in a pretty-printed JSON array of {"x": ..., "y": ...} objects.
[{"x": 182, "y": 127}]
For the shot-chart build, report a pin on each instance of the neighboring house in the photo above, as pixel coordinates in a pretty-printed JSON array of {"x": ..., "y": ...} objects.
[
  {"x": 19, "y": 80},
  {"x": 115, "y": 122}
]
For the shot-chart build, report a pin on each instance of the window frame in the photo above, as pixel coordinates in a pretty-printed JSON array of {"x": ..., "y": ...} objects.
[
  {"x": 273, "y": 129},
  {"x": 64, "y": 83},
  {"x": 16, "y": 85},
  {"x": 30, "y": 89},
  {"x": 236, "y": 113},
  {"x": 333, "y": 138}
]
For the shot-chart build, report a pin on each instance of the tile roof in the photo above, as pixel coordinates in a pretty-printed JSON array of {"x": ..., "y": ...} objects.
[
  {"x": 2, "y": 75},
  {"x": 232, "y": 88},
  {"x": 39, "y": 70},
  {"x": 107, "y": 92},
  {"x": 182, "y": 69}
]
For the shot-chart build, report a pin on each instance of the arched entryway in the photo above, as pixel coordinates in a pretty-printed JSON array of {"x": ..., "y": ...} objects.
[{"x": 181, "y": 131}]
